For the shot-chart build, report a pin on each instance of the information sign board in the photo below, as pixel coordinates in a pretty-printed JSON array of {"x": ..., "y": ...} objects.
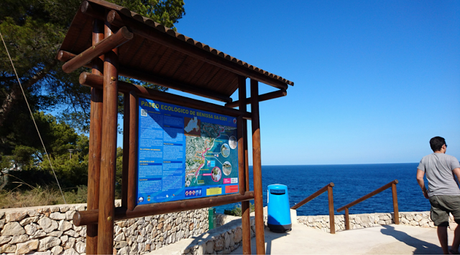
[{"x": 184, "y": 153}]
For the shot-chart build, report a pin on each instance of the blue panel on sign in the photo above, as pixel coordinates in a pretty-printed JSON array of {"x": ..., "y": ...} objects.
[{"x": 184, "y": 153}]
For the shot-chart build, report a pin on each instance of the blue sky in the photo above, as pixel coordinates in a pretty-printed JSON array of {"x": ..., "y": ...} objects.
[{"x": 374, "y": 80}]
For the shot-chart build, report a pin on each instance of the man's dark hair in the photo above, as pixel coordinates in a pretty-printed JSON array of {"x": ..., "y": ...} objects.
[{"x": 437, "y": 142}]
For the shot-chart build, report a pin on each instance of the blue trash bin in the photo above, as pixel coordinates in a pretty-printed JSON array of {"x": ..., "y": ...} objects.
[{"x": 279, "y": 214}]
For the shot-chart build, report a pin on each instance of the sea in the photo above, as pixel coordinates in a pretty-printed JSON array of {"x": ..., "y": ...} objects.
[{"x": 350, "y": 183}]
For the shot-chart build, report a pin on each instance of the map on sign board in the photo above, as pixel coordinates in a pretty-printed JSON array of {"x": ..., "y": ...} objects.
[{"x": 185, "y": 153}]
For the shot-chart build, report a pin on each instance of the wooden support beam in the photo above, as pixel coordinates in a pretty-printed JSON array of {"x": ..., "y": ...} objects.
[
  {"x": 264, "y": 97},
  {"x": 106, "y": 211},
  {"x": 64, "y": 56},
  {"x": 330, "y": 197},
  {"x": 81, "y": 218},
  {"x": 395, "y": 202},
  {"x": 173, "y": 84},
  {"x": 257, "y": 168},
  {"x": 142, "y": 29},
  {"x": 133, "y": 156},
  {"x": 95, "y": 133},
  {"x": 126, "y": 159},
  {"x": 95, "y": 81},
  {"x": 123, "y": 35},
  {"x": 245, "y": 205}
]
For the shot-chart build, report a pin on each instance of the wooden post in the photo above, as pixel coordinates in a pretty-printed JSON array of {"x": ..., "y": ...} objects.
[
  {"x": 245, "y": 205},
  {"x": 330, "y": 197},
  {"x": 108, "y": 159},
  {"x": 126, "y": 159},
  {"x": 395, "y": 202},
  {"x": 94, "y": 161},
  {"x": 133, "y": 136},
  {"x": 347, "y": 219},
  {"x": 257, "y": 168}
]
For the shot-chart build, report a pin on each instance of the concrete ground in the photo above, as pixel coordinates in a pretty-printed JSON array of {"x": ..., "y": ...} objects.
[{"x": 388, "y": 239}]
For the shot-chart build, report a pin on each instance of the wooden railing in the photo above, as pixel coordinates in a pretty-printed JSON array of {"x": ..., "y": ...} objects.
[
  {"x": 327, "y": 188},
  {"x": 395, "y": 202}
]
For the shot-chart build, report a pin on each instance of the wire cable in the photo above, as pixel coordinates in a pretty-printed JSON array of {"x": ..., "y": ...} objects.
[{"x": 33, "y": 119}]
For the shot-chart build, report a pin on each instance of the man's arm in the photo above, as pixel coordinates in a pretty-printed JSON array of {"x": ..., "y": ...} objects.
[
  {"x": 456, "y": 171},
  {"x": 421, "y": 181}
]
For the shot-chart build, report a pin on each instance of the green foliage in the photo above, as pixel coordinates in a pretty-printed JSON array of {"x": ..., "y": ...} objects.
[
  {"x": 33, "y": 31},
  {"x": 41, "y": 196},
  {"x": 236, "y": 211},
  {"x": 165, "y": 12},
  {"x": 67, "y": 150}
]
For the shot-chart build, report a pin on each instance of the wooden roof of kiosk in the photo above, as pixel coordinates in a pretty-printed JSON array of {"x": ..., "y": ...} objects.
[{"x": 113, "y": 41}]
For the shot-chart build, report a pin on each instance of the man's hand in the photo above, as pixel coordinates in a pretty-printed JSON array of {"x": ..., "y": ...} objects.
[{"x": 425, "y": 193}]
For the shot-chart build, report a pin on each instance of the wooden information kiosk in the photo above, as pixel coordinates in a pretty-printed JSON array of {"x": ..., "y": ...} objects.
[{"x": 113, "y": 42}]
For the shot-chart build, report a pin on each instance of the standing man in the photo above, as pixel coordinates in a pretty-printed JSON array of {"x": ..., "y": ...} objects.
[{"x": 443, "y": 191}]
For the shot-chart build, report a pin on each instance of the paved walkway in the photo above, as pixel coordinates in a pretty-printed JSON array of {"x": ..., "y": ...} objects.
[{"x": 388, "y": 239}]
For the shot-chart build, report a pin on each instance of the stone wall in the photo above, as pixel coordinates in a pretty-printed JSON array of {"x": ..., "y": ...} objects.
[
  {"x": 420, "y": 219},
  {"x": 49, "y": 230}
]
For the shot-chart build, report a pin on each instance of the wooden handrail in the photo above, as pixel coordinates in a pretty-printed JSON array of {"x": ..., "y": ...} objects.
[
  {"x": 359, "y": 200},
  {"x": 327, "y": 188}
]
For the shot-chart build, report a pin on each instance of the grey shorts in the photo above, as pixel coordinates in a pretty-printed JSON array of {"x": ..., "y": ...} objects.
[{"x": 441, "y": 206}]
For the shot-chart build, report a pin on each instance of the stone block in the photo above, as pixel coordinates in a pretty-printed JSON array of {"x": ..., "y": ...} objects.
[
  {"x": 5, "y": 239},
  {"x": 12, "y": 229},
  {"x": 70, "y": 251},
  {"x": 27, "y": 247},
  {"x": 48, "y": 242},
  {"x": 56, "y": 250},
  {"x": 15, "y": 216},
  {"x": 80, "y": 247},
  {"x": 19, "y": 239},
  {"x": 64, "y": 225},
  {"x": 28, "y": 220},
  {"x": 210, "y": 246},
  {"x": 8, "y": 248},
  {"x": 47, "y": 224}
]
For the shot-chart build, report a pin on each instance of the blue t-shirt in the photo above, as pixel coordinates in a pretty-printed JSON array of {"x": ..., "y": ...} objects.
[{"x": 438, "y": 170}]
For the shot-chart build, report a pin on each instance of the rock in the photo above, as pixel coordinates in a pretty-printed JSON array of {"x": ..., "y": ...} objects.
[
  {"x": 13, "y": 229},
  {"x": 70, "y": 251},
  {"x": 71, "y": 233},
  {"x": 48, "y": 242},
  {"x": 47, "y": 224},
  {"x": 19, "y": 239},
  {"x": 64, "y": 208},
  {"x": 32, "y": 213},
  {"x": 80, "y": 247},
  {"x": 120, "y": 237},
  {"x": 121, "y": 244},
  {"x": 27, "y": 247},
  {"x": 15, "y": 216},
  {"x": 5, "y": 239},
  {"x": 28, "y": 220},
  {"x": 69, "y": 215},
  {"x": 55, "y": 233},
  {"x": 39, "y": 233},
  {"x": 70, "y": 243},
  {"x": 64, "y": 225},
  {"x": 219, "y": 244},
  {"x": 57, "y": 216},
  {"x": 123, "y": 251},
  {"x": 210, "y": 246},
  {"x": 57, "y": 250},
  {"x": 141, "y": 247},
  {"x": 8, "y": 248},
  {"x": 237, "y": 236}
]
